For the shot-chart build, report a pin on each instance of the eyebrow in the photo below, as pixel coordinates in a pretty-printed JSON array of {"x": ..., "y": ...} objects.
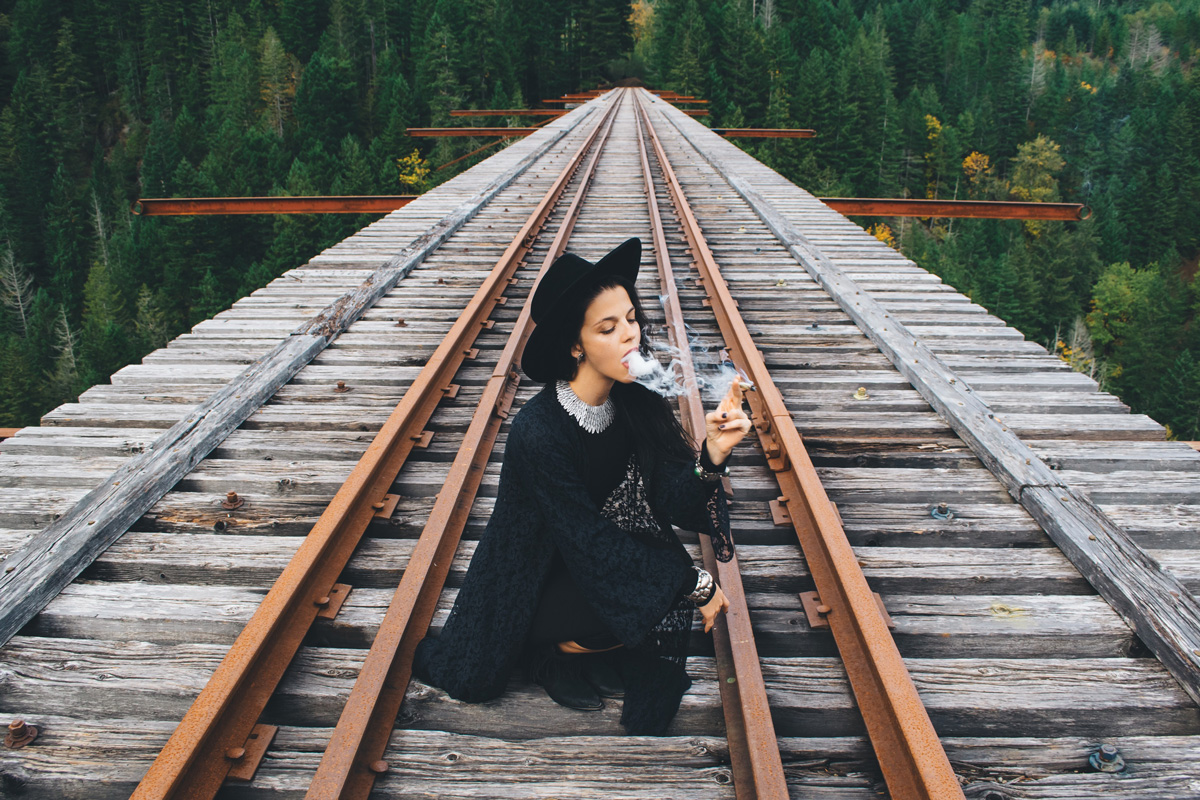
[{"x": 611, "y": 318}]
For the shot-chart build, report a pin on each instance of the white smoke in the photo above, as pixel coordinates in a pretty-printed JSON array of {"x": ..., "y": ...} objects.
[{"x": 714, "y": 376}]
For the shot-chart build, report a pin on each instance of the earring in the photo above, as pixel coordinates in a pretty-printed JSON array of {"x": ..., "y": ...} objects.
[{"x": 579, "y": 358}]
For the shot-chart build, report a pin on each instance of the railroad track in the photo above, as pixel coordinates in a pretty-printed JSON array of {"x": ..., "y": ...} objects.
[{"x": 158, "y": 611}]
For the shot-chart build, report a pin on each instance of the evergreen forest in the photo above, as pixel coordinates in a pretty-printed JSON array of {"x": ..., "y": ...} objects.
[{"x": 1095, "y": 102}]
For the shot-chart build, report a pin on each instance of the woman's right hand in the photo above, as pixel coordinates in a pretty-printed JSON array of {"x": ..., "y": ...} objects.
[{"x": 717, "y": 604}]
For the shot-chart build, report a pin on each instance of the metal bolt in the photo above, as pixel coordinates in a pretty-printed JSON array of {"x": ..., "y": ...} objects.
[
  {"x": 861, "y": 394},
  {"x": 321, "y": 601},
  {"x": 19, "y": 734},
  {"x": 814, "y": 327},
  {"x": 942, "y": 511},
  {"x": 400, "y": 323},
  {"x": 232, "y": 501},
  {"x": 823, "y": 610},
  {"x": 235, "y": 753},
  {"x": 341, "y": 387},
  {"x": 379, "y": 767},
  {"x": 1107, "y": 759}
]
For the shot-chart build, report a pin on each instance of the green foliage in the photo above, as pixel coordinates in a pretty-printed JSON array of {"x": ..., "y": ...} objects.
[{"x": 101, "y": 104}]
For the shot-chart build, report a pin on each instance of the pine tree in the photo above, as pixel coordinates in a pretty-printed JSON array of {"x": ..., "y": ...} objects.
[
  {"x": 63, "y": 381},
  {"x": 325, "y": 108},
  {"x": 687, "y": 71},
  {"x": 16, "y": 290},
  {"x": 278, "y": 76},
  {"x": 71, "y": 90},
  {"x": 210, "y": 299}
]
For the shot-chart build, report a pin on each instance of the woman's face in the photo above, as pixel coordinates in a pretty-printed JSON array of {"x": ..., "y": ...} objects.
[{"x": 610, "y": 332}]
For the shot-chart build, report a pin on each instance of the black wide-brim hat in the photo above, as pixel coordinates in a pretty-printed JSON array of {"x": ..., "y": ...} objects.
[{"x": 568, "y": 278}]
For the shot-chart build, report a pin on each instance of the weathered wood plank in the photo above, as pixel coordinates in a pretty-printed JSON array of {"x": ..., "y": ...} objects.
[
  {"x": 976, "y": 626},
  {"x": 809, "y": 696},
  {"x": 80, "y": 759},
  {"x": 240, "y": 560}
]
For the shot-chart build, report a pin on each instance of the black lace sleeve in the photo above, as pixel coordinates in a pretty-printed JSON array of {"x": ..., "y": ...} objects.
[
  {"x": 693, "y": 504},
  {"x": 631, "y": 583}
]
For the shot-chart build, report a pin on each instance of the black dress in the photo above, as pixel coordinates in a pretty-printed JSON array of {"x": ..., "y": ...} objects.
[{"x": 622, "y": 554}]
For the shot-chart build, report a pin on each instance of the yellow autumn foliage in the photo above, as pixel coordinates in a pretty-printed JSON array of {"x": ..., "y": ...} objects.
[{"x": 413, "y": 170}]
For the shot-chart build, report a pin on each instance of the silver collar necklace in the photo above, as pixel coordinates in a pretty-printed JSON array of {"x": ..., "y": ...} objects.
[{"x": 592, "y": 419}]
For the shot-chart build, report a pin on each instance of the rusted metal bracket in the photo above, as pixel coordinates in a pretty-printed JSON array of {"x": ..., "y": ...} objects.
[
  {"x": 423, "y": 439},
  {"x": 8, "y": 433},
  {"x": 387, "y": 506},
  {"x": 781, "y": 517},
  {"x": 779, "y": 514},
  {"x": 249, "y": 756},
  {"x": 331, "y": 603},
  {"x": 818, "y": 613},
  {"x": 451, "y": 391}
]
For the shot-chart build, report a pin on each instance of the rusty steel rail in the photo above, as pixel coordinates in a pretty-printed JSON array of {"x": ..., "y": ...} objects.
[
  {"x": 350, "y": 204},
  {"x": 213, "y": 735},
  {"x": 765, "y": 133},
  {"x": 354, "y": 757},
  {"x": 968, "y": 209},
  {"x": 910, "y": 755},
  {"x": 508, "y": 112},
  {"x": 8, "y": 433},
  {"x": 753, "y": 749},
  {"x": 447, "y": 132}
]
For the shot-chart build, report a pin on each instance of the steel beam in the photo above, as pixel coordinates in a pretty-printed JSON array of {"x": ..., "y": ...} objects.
[
  {"x": 765, "y": 133},
  {"x": 973, "y": 209},
  {"x": 508, "y": 112},
  {"x": 189, "y": 206},
  {"x": 443, "y": 132}
]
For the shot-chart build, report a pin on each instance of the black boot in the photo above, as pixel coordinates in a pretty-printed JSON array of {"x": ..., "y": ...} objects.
[
  {"x": 562, "y": 677},
  {"x": 600, "y": 670}
]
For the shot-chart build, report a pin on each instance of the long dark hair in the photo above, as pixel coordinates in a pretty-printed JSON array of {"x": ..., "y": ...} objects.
[{"x": 649, "y": 417}]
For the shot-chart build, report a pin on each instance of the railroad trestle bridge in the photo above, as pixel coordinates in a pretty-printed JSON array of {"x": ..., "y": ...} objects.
[{"x": 962, "y": 569}]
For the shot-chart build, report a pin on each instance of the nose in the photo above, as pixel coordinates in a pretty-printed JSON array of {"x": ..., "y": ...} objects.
[{"x": 631, "y": 331}]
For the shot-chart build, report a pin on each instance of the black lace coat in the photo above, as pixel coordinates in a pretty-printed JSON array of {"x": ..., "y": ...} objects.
[{"x": 624, "y": 555}]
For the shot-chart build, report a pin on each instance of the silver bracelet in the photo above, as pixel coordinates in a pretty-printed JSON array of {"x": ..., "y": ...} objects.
[
  {"x": 709, "y": 477},
  {"x": 705, "y": 587}
]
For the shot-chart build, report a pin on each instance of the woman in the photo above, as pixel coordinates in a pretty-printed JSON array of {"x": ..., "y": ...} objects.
[{"x": 579, "y": 560}]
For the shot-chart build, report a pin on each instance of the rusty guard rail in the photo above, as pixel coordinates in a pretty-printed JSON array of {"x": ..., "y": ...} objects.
[
  {"x": 354, "y": 757},
  {"x": 753, "y": 749},
  {"x": 212, "y": 736},
  {"x": 905, "y": 742}
]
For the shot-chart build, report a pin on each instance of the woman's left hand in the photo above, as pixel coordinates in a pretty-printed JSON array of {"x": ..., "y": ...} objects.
[
  {"x": 726, "y": 426},
  {"x": 717, "y": 604}
]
